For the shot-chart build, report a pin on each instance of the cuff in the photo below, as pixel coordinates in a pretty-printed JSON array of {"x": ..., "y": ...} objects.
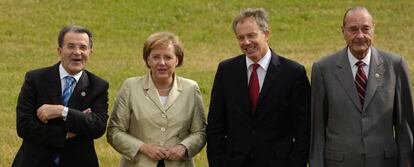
[{"x": 65, "y": 113}]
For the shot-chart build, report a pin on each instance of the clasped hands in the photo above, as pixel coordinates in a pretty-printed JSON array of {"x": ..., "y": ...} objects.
[
  {"x": 158, "y": 153},
  {"x": 50, "y": 111}
]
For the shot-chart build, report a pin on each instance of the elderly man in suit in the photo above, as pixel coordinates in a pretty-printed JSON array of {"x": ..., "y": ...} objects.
[
  {"x": 62, "y": 108},
  {"x": 362, "y": 111},
  {"x": 260, "y": 103}
]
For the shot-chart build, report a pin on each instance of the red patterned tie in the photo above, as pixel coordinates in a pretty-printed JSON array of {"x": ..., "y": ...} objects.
[
  {"x": 254, "y": 87},
  {"x": 361, "y": 81}
]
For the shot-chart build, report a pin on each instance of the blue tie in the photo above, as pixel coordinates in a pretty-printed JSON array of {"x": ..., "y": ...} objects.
[{"x": 69, "y": 81}]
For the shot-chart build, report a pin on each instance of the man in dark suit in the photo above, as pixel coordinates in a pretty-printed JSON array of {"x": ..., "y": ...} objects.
[
  {"x": 62, "y": 108},
  {"x": 362, "y": 111},
  {"x": 260, "y": 103}
]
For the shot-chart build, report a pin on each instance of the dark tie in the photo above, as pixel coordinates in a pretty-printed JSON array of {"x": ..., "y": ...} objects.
[
  {"x": 361, "y": 81},
  {"x": 254, "y": 86},
  {"x": 67, "y": 91}
]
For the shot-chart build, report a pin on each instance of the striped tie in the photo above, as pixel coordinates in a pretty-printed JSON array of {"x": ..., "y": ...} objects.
[
  {"x": 361, "y": 81},
  {"x": 67, "y": 92}
]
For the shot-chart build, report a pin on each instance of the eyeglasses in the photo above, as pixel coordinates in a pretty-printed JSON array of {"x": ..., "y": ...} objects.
[{"x": 74, "y": 47}]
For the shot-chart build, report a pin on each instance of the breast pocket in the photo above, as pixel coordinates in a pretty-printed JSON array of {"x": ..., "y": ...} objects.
[{"x": 334, "y": 158}]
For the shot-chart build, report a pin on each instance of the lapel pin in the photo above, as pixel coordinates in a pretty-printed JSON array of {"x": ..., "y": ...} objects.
[
  {"x": 83, "y": 93},
  {"x": 377, "y": 75}
]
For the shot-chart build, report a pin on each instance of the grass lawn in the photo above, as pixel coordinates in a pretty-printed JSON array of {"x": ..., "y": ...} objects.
[{"x": 302, "y": 30}]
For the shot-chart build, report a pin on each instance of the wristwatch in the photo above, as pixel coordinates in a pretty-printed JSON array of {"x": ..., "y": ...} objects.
[{"x": 65, "y": 113}]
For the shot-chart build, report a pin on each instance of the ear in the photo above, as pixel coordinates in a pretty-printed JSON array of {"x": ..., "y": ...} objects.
[
  {"x": 373, "y": 28},
  {"x": 267, "y": 33},
  {"x": 59, "y": 51}
]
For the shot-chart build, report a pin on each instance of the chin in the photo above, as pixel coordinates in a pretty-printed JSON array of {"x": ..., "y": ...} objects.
[
  {"x": 252, "y": 56},
  {"x": 361, "y": 50},
  {"x": 162, "y": 76}
]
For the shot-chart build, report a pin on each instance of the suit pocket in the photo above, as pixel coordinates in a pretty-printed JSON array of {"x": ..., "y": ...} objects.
[
  {"x": 334, "y": 158},
  {"x": 390, "y": 153},
  {"x": 334, "y": 155}
]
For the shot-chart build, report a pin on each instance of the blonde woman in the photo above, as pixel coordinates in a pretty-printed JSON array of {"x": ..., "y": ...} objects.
[{"x": 158, "y": 119}]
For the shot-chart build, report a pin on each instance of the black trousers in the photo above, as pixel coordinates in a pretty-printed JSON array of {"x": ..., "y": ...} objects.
[{"x": 161, "y": 163}]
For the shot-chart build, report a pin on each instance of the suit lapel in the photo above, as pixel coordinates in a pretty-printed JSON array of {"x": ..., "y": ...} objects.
[
  {"x": 80, "y": 91},
  {"x": 375, "y": 75},
  {"x": 152, "y": 92},
  {"x": 175, "y": 91},
  {"x": 240, "y": 82},
  {"x": 54, "y": 84},
  {"x": 271, "y": 75},
  {"x": 344, "y": 74}
]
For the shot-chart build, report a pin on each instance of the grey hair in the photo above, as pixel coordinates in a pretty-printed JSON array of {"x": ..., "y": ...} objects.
[
  {"x": 259, "y": 15},
  {"x": 74, "y": 28}
]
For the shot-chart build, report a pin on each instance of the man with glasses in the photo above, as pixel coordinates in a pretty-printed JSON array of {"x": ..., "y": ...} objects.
[{"x": 61, "y": 109}]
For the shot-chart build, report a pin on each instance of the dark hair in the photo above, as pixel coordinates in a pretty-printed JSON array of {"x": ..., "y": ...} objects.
[
  {"x": 259, "y": 15},
  {"x": 163, "y": 40},
  {"x": 355, "y": 8},
  {"x": 74, "y": 28}
]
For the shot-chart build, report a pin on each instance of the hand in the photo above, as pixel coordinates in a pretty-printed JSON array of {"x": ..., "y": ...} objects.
[
  {"x": 176, "y": 153},
  {"x": 49, "y": 111},
  {"x": 153, "y": 151},
  {"x": 87, "y": 111},
  {"x": 70, "y": 135}
]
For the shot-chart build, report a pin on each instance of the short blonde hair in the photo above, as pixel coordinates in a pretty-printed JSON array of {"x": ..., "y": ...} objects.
[{"x": 163, "y": 40}]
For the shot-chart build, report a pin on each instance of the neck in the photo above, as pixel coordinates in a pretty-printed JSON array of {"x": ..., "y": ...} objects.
[
  {"x": 164, "y": 90},
  {"x": 163, "y": 85},
  {"x": 359, "y": 55}
]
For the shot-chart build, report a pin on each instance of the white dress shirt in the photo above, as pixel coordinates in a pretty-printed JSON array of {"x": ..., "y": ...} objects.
[
  {"x": 261, "y": 70},
  {"x": 63, "y": 73},
  {"x": 353, "y": 60}
]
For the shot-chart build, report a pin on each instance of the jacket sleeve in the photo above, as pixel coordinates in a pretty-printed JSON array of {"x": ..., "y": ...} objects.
[
  {"x": 318, "y": 102},
  {"x": 197, "y": 138},
  {"x": 29, "y": 127},
  {"x": 300, "y": 109},
  {"x": 404, "y": 119},
  {"x": 118, "y": 126},
  {"x": 217, "y": 124},
  {"x": 92, "y": 125}
]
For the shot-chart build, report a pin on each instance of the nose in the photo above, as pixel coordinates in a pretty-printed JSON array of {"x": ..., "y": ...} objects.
[
  {"x": 360, "y": 34},
  {"x": 76, "y": 51},
  {"x": 162, "y": 61},
  {"x": 245, "y": 41}
]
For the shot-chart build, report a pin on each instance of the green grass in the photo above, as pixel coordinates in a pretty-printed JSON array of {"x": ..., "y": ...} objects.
[{"x": 303, "y": 30}]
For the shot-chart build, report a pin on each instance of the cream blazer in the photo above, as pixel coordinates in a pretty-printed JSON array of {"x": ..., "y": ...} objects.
[{"x": 138, "y": 117}]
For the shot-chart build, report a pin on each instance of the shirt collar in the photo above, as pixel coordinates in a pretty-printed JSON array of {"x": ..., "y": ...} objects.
[
  {"x": 63, "y": 73},
  {"x": 263, "y": 62},
  {"x": 353, "y": 60}
]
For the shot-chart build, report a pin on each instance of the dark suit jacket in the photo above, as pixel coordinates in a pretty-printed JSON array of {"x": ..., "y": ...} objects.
[
  {"x": 276, "y": 134},
  {"x": 43, "y": 142},
  {"x": 344, "y": 133}
]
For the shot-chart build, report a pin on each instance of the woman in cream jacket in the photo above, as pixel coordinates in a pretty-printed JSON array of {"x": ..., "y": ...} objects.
[{"x": 158, "y": 119}]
